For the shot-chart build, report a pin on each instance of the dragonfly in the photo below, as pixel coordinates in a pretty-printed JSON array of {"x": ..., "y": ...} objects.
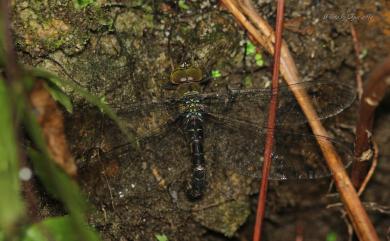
[{"x": 198, "y": 134}]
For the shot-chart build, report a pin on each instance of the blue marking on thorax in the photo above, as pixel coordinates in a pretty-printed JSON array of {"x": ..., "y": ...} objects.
[{"x": 194, "y": 109}]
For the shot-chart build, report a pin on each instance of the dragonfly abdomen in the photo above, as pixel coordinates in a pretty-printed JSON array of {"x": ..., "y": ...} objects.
[{"x": 194, "y": 130}]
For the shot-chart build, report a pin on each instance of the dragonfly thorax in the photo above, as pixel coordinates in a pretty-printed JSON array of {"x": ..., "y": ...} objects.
[{"x": 192, "y": 107}]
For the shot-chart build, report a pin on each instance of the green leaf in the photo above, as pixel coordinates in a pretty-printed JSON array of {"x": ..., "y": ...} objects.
[
  {"x": 92, "y": 99},
  {"x": 59, "y": 96},
  {"x": 66, "y": 191},
  {"x": 183, "y": 5},
  {"x": 161, "y": 237},
  {"x": 216, "y": 73},
  {"x": 250, "y": 48},
  {"x": 259, "y": 60},
  {"x": 54, "y": 228},
  {"x": 332, "y": 236},
  {"x": 11, "y": 206},
  {"x": 103, "y": 100},
  {"x": 56, "y": 181}
]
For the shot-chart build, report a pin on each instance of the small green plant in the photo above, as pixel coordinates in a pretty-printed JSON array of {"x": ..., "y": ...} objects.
[
  {"x": 15, "y": 112},
  {"x": 259, "y": 60},
  {"x": 216, "y": 73},
  {"x": 183, "y": 5},
  {"x": 332, "y": 236},
  {"x": 250, "y": 48},
  {"x": 161, "y": 237},
  {"x": 99, "y": 102},
  {"x": 248, "y": 82},
  {"x": 59, "y": 228}
]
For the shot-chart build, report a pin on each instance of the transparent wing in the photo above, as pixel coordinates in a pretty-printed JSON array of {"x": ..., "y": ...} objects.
[
  {"x": 126, "y": 175},
  {"x": 251, "y": 105},
  {"x": 240, "y": 145},
  {"x": 149, "y": 118},
  {"x": 165, "y": 167},
  {"x": 233, "y": 142},
  {"x": 234, "y": 147},
  {"x": 230, "y": 146}
]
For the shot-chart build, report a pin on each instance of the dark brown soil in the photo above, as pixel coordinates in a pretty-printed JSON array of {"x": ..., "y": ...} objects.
[{"x": 125, "y": 53}]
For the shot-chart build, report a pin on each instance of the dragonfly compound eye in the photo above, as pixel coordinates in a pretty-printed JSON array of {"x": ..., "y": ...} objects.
[{"x": 186, "y": 75}]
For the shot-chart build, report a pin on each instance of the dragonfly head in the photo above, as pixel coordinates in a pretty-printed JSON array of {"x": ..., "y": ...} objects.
[
  {"x": 184, "y": 78},
  {"x": 186, "y": 74}
]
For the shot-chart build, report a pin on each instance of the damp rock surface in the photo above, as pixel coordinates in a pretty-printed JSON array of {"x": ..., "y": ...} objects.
[{"x": 125, "y": 52}]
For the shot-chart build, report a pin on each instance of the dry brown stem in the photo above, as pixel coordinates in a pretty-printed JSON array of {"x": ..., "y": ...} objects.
[
  {"x": 358, "y": 64},
  {"x": 269, "y": 142},
  {"x": 373, "y": 93},
  {"x": 262, "y": 32},
  {"x": 372, "y": 169}
]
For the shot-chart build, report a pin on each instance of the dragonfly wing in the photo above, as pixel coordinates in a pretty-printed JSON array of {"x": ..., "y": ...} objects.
[
  {"x": 147, "y": 119},
  {"x": 240, "y": 145},
  {"x": 164, "y": 165},
  {"x": 166, "y": 131},
  {"x": 328, "y": 99},
  {"x": 161, "y": 160}
]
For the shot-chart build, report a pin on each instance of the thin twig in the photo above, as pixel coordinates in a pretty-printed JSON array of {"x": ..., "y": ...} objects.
[
  {"x": 13, "y": 79},
  {"x": 348, "y": 224},
  {"x": 356, "y": 44},
  {"x": 271, "y": 125},
  {"x": 263, "y": 34},
  {"x": 372, "y": 169},
  {"x": 372, "y": 206},
  {"x": 11, "y": 67},
  {"x": 298, "y": 231},
  {"x": 374, "y": 91}
]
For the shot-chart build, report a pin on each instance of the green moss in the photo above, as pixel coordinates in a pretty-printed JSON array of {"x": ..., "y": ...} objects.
[
  {"x": 79, "y": 4},
  {"x": 134, "y": 22},
  {"x": 56, "y": 43}
]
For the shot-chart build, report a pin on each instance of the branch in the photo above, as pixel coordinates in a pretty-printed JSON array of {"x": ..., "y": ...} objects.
[
  {"x": 273, "y": 105},
  {"x": 264, "y": 35},
  {"x": 373, "y": 93}
]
